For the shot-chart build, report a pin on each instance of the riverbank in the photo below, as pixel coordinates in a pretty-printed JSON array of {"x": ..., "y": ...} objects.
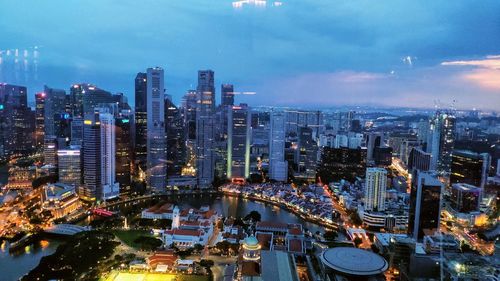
[{"x": 282, "y": 206}]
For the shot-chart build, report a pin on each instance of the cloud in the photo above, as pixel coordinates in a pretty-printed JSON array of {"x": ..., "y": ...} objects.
[{"x": 482, "y": 72}]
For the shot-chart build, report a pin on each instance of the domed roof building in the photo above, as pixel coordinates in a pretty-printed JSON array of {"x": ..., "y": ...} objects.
[{"x": 251, "y": 249}]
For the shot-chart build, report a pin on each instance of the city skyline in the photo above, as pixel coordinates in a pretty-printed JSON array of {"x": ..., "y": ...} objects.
[{"x": 343, "y": 54}]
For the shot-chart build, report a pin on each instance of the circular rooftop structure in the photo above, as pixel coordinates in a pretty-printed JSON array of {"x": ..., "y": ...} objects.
[{"x": 354, "y": 261}]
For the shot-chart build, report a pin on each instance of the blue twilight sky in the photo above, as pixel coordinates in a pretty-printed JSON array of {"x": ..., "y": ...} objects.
[{"x": 303, "y": 52}]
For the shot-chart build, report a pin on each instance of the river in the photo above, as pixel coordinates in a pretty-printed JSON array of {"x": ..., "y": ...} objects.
[{"x": 15, "y": 266}]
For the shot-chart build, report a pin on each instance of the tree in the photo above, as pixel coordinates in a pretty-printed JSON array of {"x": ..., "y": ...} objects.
[
  {"x": 356, "y": 220},
  {"x": 198, "y": 247},
  {"x": 223, "y": 246},
  {"x": 148, "y": 243},
  {"x": 206, "y": 263},
  {"x": 375, "y": 249},
  {"x": 330, "y": 235},
  {"x": 357, "y": 241},
  {"x": 254, "y": 216}
]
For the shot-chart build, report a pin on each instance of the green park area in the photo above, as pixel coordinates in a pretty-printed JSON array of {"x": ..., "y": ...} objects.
[{"x": 138, "y": 239}]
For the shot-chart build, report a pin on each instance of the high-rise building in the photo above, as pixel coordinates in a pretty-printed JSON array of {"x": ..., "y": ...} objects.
[
  {"x": 141, "y": 118},
  {"x": 469, "y": 167},
  {"x": 99, "y": 164},
  {"x": 70, "y": 165},
  {"x": 123, "y": 133},
  {"x": 156, "y": 139},
  {"x": 55, "y": 104},
  {"x": 40, "y": 99},
  {"x": 175, "y": 139},
  {"x": 227, "y": 95},
  {"x": 77, "y": 131},
  {"x": 375, "y": 186},
  {"x": 373, "y": 140},
  {"x": 50, "y": 150},
  {"x": 238, "y": 143},
  {"x": 465, "y": 197},
  {"x": 441, "y": 141},
  {"x": 307, "y": 154},
  {"x": 278, "y": 167},
  {"x": 17, "y": 121},
  {"x": 341, "y": 163},
  {"x": 419, "y": 160},
  {"x": 425, "y": 205},
  {"x": 205, "y": 131}
]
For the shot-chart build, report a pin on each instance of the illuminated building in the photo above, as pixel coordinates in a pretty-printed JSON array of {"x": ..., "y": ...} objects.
[
  {"x": 419, "y": 160},
  {"x": 373, "y": 140},
  {"x": 55, "y": 103},
  {"x": 205, "y": 130},
  {"x": 342, "y": 163},
  {"x": 238, "y": 143},
  {"x": 465, "y": 198},
  {"x": 123, "y": 150},
  {"x": 278, "y": 167},
  {"x": 50, "y": 150},
  {"x": 141, "y": 128},
  {"x": 227, "y": 95},
  {"x": 40, "y": 99},
  {"x": 425, "y": 205},
  {"x": 156, "y": 139},
  {"x": 70, "y": 165},
  {"x": 469, "y": 167},
  {"x": 307, "y": 154},
  {"x": 99, "y": 162},
  {"x": 441, "y": 141},
  {"x": 175, "y": 139},
  {"x": 375, "y": 186},
  {"x": 16, "y": 121},
  {"x": 60, "y": 199}
]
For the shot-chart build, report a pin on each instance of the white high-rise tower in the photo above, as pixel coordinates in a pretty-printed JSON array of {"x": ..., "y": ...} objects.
[{"x": 376, "y": 183}]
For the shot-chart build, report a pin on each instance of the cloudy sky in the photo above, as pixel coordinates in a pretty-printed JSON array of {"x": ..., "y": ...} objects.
[{"x": 304, "y": 52}]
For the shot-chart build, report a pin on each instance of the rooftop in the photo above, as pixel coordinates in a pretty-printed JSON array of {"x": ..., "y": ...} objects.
[{"x": 354, "y": 261}]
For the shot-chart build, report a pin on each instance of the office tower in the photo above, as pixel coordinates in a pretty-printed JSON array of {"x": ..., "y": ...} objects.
[
  {"x": 205, "y": 131},
  {"x": 175, "y": 139},
  {"x": 50, "y": 150},
  {"x": 423, "y": 128},
  {"x": 469, "y": 167},
  {"x": 188, "y": 111},
  {"x": 156, "y": 140},
  {"x": 238, "y": 143},
  {"x": 375, "y": 186},
  {"x": 77, "y": 131},
  {"x": 419, "y": 160},
  {"x": 307, "y": 154},
  {"x": 123, "y": 150},
  {"x": 278, "y": 167},
  {"x": 40, "y": 99},
  {"x": 465, "y": 198},
  {"x": 70, "y": 165},
  {"x": 76, "y": 93},
  {"x": 296, "y": 119},
  {"x": 17, "y": 121},
  {"x": 227, "y": 95},
  {"x": 55, "y": 104},
  {"x": 141, "y": 117},
  {"x": 62, "y": 127},
  {"x": 382, "y": 156},
  {"x": 373, "y": 140},
  {"x": 99, "y": 162},
  {"x": 442, "y": 141},
  {"x": 425, "y": 205}
]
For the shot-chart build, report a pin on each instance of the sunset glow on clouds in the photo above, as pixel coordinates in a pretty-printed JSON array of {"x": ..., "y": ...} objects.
[{"x": 485, "y": 72}]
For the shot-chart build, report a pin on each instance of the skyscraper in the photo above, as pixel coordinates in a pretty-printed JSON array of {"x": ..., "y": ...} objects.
[
  {"x": 373, "y": 140},
  {"x": 39, "y": 118},
  {"x": 425, "y": 205},
  {"x": 69, "y": 165},
  {"x": 238, "y": 143},
  {"x": 123, "y": 150},
  {"x": 156, "y": 139},
  {"x": 141, "y": 118},
  {"x": 419, "y": 160},
  {"x": 441, "y": 141},
  {"x": 465, "y": 197},
  {"x": 55, "y": 103},
  {"x": 17, "y": 121},
  {"x": 175, "y": 139},
  {"x": 375, "y": 186},
  {"x": 227, "y": 95},
  {"x": 469, "y": 167},
  {"x": 278, "y": 167},
  {"x": 205, "y": 143},
  {"x": 99, "y": 162}
]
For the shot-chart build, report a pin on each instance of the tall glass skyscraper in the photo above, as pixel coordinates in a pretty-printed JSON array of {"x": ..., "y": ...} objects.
[
  {"x": 205, "y": 128},
  {"x": 278, "y": 167},
  {"x": 156, "y": 140},
  {"x": 238, "y": 143},
  {"x": 376, "y": 183}
]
